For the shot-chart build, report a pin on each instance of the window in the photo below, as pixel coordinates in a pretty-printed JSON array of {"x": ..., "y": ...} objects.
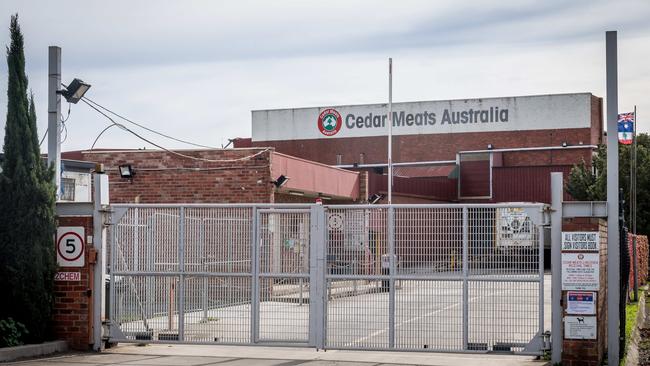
[{"x": 67, "y": 187}]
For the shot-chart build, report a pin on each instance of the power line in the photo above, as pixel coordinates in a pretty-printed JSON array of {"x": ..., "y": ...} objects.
[
  {"x": 63, "y": 121},
  {"x": 164, "y": 148},
  {"x": 145, "y": 127}
]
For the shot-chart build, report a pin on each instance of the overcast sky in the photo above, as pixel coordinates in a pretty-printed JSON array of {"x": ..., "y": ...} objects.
[{"x": 195, "y": 69}]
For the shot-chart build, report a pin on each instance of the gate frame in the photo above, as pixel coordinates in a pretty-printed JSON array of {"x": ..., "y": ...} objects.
[{"x": 538, "y": 212}]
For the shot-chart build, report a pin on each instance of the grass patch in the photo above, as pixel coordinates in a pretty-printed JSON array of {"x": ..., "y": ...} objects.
[{"x": 631, "y": 312}]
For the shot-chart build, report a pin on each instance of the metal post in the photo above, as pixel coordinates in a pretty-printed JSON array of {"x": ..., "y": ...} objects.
[
  {"x": 317, "y": 262},
  {"x": 111, "y": 268},
  {"x": 391, "y": 279},
  {"x": 613, "y": 254},
  {"x": 465, "y": 275},
  {"x": 204, "y": 268},
  {"x": 99, "y": 271},
  {"x": 557, "y": 185},
  {"x": 181, "y": 264},
  {"x": 255, "y": 292},
  {"x": 53, "y": 114},
  {"x": 390, "y": 131},
  {"x": 540, "y": 240}
]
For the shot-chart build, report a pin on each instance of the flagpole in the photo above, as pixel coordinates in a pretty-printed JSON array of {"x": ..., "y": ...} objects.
[
  {"x": 633, "y": 208},
  {"x": 390, "y": 130}
]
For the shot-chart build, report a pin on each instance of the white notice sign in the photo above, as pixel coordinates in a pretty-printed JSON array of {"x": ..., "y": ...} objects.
[
  {"x": 581, "y": 302},
  {"x": 580, "y": 327},
  {"x": 580, "y": 240},
  {"x": 70, "y": 246},
  {"x": 581, "y": 271}
]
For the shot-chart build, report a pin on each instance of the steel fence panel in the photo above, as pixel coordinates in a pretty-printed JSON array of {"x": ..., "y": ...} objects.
[{"x": 447, "y": 278}]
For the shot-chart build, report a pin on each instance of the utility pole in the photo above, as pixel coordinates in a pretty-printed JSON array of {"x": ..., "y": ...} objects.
[
  {"x": 53, "y": 115},
  {"x": 390, "y": 130},
  {"x": 613, "y": 249}
]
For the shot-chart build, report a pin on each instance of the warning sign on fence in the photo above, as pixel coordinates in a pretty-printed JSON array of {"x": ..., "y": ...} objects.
[
  {"x": 581, "y": 302},
  {"x": 580, "y": 240},
  {"x": 580, "y": 271}
]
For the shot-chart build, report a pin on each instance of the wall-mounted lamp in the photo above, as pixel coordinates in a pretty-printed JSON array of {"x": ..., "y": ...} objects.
[
  {"x": 564, "y": 144},
  {"x": 75, "y": 91},
  {"x": 126, "y": 171},
  {"x": 375, "y": 198},
  {"x": 490, "y": 146},
  {"x": 296, "y": 193},
  {"x": 282, "y": 180}
]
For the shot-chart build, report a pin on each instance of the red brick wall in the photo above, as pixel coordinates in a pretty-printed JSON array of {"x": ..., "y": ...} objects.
[
  {"x": 576, "y": 352},
  {"x": 72, "y": 300},
  {"x": 409, "y": 148},
  {"x": 162, "y": 177}
]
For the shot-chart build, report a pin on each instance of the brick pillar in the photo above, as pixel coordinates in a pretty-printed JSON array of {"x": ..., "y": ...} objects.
[
  {"x": 72, "y": 320},
  {"x": 589, "y": 352}
]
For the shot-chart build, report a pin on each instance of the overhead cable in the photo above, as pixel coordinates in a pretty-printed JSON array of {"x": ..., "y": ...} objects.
[
  {"x": 145, "y": 127},
  {"x": 164, "y": 148}
]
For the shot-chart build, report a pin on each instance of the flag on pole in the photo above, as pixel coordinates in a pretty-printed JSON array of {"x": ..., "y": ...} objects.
[{"x": 626, "y": 128}]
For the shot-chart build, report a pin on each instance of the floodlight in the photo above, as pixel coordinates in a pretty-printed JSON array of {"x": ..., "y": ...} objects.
[
  {"x": 282, "y": 180},
  {"x": 75, "y": 91},
  {"x": 126, "y": 171}
]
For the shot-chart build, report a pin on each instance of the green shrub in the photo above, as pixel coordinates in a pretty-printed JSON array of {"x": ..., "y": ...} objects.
[{"x": 11, "y": 332}]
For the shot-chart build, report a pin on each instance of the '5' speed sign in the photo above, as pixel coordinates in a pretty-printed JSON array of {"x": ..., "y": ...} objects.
[{"x": 70, "y": 246}]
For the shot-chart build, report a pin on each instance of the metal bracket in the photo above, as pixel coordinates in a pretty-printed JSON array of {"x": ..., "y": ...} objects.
[
  {"x": 584, "y": 209},
  {"x": 116, "y": 215}
]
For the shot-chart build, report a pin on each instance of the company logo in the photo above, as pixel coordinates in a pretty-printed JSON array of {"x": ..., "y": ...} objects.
[{"x": 329, "y": 122}]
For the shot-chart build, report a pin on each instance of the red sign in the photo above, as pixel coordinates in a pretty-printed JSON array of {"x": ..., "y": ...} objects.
[{"x": 329, "y": 122}]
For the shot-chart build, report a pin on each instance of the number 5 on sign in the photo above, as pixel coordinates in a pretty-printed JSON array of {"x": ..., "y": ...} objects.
[{"x": 70, "y": 246}]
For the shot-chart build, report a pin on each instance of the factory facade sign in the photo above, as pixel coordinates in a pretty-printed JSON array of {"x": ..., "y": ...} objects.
[{"x": 433, "y": 117}]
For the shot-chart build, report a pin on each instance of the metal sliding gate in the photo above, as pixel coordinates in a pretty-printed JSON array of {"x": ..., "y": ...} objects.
[{"x": 446, "y": 278}]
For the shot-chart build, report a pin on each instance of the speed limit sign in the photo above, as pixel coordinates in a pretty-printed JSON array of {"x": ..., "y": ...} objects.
[{"x": 70, "y": 246}]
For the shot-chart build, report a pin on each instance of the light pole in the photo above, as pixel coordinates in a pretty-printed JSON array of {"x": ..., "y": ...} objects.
[
  {"x": 53, "y": 113},
  {"x": 72, "y": 93}
]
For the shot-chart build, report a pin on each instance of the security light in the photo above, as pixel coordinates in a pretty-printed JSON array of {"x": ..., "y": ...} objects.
[
  {"x": 564, "y": 144},
  {"x": 75, "y": 91},
  {"x": 375, "y": 198},
  {"x": 490, "y": 146},
  {"x": 282, "y": 180},
  {"x": 126, "y": 171}
]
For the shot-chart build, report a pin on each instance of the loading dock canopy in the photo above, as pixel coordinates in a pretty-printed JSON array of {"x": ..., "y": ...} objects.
[{"x": 312, "y": 178}]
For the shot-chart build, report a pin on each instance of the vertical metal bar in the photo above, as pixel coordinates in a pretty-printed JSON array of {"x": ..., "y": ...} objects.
[
  {"x": 111, "y": 264},
  {"x": 556, "y": 267},
  {"x": 390, "y": 131},
  {"x": 204, "y": 280},
  {"x": 391, "y": 278},
  {"x": 53, "y": 115},
  {"x": 540, "y": 241},
  {"x": 99, "y": 238},
  {"x": 255, "y": 293},
  {"x": 613, "y": 254},
  {"x": 465, "y": 276},
  {"x": 181, "y": 265},
  {"x": 317, "y": 277}
]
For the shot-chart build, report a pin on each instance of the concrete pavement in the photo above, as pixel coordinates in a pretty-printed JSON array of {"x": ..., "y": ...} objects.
[{"x": 196, "y": 355}]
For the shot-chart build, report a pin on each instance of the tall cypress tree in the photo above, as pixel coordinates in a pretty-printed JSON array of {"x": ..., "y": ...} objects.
[{"x": 27, "y": 199}]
